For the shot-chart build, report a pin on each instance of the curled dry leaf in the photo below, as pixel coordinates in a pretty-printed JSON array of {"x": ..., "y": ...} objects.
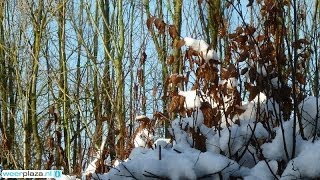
[
  {"x": 239, "y": 30},
  {"x": 225, "y": 74},
  {"x": 189, "y": 54},
  {"x": 232, "y": 35},
  {"x": 99, "y": 166},
  {"x": 243, "y": 56},
  {"x": 170, "y": 60},
  {"x": 179, "y": 43},
  {"x": 254, "y": 91},
  {"x": 140, "y": 76},
  {"x": 232, "y": 70},
  {"x": 159, "y": 117},
  {"x": 300, "y": 78},
  {"x": 51, "y": 110},
  {"x": 173, "y": 31},
  {"x": 150, "y": 22},
  {"x": 214, "y": 61},
  {"x": 176, "y": 78},
  {"x": 298, "y": 44},
  {"x": 160, "y": 25},
  {"x": 59, "y": 136},
  {"x": 176, "y": 104},
  {"x": 252, "y": 74},
  {"x": 135, "y": 90},
  {"x": 250, "y": 30},
  {"x": 260, "y": 38},
  {"x": 50, "y": 143},
  {"x": 144, "y": 101},
  {"x": 104, "y": 118},
  {"x": 143, "y": 58},
  {"x": 154, "y": 90},
  {"x": 222, "y": 32},
  {"x": 208, "y": 114},
  {"x": 48, "y": 124},
  {"x": 242, "y": 39}
]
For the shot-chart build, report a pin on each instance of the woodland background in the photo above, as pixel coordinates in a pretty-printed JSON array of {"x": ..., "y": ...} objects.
[{"x": 74, "y": 73}]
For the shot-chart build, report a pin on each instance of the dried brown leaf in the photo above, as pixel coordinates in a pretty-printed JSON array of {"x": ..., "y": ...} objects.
[
  {"x": 50, "y": 143},
  {"x": 301, "y": 78},
  {"x": 143, "y": 58},
  {"x": 180, "y": 43},
  {"x": 173, "y": 31},
  {"x": 254, "y": 91},
  {"x": 150, "y": 22},
  {"x": 160, "y": 25},
  {"x": 170, "y": 60}
]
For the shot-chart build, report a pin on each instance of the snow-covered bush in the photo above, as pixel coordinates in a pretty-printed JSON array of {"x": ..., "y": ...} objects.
[
  {"x": 310, "y": 116},
  {"x": 221, "y": 131}
]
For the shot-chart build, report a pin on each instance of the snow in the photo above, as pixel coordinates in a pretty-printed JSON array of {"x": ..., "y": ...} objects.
[
  {"x": 275, "y": 150},
  {"x": 261, "y": 171},
  {"x": 197, "y": 45},
  {"x": 67, "y": 177},
  {"x": 212, "y": 163},
  {"x": 275, "y": 83},
  {"x": 192, "y": 100},
  {"x": 173, "y": 165},
  {"x": 236, "y": 137},
  {"x": 91, "y": 167},
  {"x": 305, "y": 165},
  {"x": 164, "y": 143},
  {"x": 140, "y": 117},
  {"x": 202, "y": 48},
  {"x": 309, "y": 112},
  {"x": 245, "y": 149},
  {"x": 142, "y": 138},
  {"x": 145, "y": 162},
  {"x": 178, "y": 160},
  {"x": 268, "y": 108}
]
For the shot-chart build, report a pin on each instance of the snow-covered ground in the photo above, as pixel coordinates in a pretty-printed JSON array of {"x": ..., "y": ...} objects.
[{"x": 180, "y": 160}]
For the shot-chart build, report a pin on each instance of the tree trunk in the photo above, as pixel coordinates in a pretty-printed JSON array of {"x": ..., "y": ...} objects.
[
  {"x": 97, "y": 137},
  {"x": 177, "y": 68},
  {"x": 213, "y": 21},
  {"x": 4, "y": 127},
  {"x": 32, "y": 102},
  {"x": 120, "y": 84},
  {"x": 107, "y": 85}
]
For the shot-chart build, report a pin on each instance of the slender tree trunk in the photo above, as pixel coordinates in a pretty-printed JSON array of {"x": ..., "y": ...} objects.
[
  {"x": 107, "y": 86},
  {"x": 120, "y": 84},
  {"x": 64, "y": 84},
  {"x": 131, "y": 99},
  {"x": 97, "y": 140},
  {"x": 32, "y": 102},
  {"x": 77, "y": 158},
  {"x": 3, "y": 81}
]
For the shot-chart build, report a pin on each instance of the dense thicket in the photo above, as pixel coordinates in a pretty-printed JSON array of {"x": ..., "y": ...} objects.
[{"x": 74, "y": 76}]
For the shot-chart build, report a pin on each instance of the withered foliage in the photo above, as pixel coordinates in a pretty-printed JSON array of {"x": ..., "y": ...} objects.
[
  {"x": 256, "y": 58},
  {"x": 56, "y": 155}
]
